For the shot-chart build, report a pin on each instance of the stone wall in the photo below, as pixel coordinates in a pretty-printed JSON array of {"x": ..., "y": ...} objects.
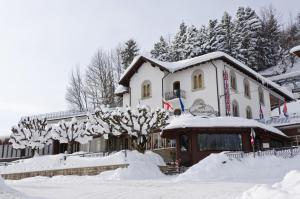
[{"x": 70, "y": 171}]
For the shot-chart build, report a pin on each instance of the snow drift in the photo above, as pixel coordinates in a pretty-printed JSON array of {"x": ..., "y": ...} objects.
[
  {"x": 141, "y": 165},
  {"x": 288, "y": 188},
  {"x": 8, "y": 193},
  {"x": 218, "y": 167}
]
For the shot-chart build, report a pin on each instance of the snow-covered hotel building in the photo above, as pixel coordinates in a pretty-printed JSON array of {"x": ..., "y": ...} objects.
[
  {"x": 215, "y": 82},
  {"x": 215, "y": 79}
]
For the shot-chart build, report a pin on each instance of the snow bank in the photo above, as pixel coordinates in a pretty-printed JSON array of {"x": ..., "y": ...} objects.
[
  {"x": 140, "y": 167},
  {"x": 8, "y": 193},
  {"x": 218, "y": 167},
  {"x": 51, "y": 162},
  {"x": 288, "y": 188}
]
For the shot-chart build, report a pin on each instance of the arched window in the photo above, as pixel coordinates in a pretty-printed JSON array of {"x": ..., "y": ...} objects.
[
  {"x": 248, "y": 112},
  {"x": 235, "y": 109},
  {"x": 261, "y": 95},
  {"x": 247, "y": 88},
  {"x": 233, "y": 80},
  {"x": 197, "y": 79},
  {"x": 146, "y": 89}
]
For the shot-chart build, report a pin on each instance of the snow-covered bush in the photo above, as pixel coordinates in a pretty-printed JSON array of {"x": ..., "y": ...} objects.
[
  {"x": 139, "y": 123},
  {"x": 71, "y": 132},
  {"x": 31, "y": 132}
]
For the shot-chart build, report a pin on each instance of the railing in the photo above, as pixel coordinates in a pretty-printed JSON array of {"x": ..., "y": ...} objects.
[
  {"x": 286, "y": 152},
  {"x": 174, "y": 94}
]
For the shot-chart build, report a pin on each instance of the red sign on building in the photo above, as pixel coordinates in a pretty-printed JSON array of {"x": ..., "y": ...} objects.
[{"x": 226, "y": 93}]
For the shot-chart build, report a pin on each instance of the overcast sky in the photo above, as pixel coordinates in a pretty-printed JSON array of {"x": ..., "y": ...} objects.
[{"x": 41, "y": 41}]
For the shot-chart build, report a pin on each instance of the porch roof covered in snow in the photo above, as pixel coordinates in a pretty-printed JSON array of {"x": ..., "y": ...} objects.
[
  {"x": 198, "y": 122},
  {"x": 173, "y": 67}
]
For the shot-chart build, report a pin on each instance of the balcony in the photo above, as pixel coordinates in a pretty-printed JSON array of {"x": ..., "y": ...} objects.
[{"x": 174, "y": 94}]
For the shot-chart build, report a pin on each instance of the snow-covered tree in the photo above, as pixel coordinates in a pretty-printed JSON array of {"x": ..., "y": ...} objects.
[
  {"x": 191, "y": 43},
  {"x": 226, "y": 35},
  {"x": 31, "y": 132},
  {"x": 140, "y": 123},
  {"x": 129, "y": 51},
  {"x": 161, "y": 50},
  {"x": 247, "y": 26},
  {"x": 177, "y": 49},
  {"x": 212, "y": 33},
  {"x": 71, "y": 132}
]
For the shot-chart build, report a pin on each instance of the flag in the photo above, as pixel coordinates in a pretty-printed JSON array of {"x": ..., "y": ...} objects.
[
  {"x": 252, "y": 134},
  {"x": 167, "y": 105},
  {"x": 285, "y": 111},
  {"x": 261, "y": 114},
  {"x": 181, "y": 103}
]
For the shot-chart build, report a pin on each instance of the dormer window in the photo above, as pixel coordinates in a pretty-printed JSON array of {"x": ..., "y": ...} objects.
[
  {"x": 233, "y": 80},
  {"x": 197, "y": 80},
  {"x": 146, "y": 89}
]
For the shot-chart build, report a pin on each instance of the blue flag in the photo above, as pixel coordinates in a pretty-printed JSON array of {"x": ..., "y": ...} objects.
[{"x": 181, "y": 104}]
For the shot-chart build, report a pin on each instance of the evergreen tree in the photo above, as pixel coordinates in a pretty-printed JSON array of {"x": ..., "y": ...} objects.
[
  {"x": 246, "y": 36},
  {"x": 190, "y": 49},
  {"x": 178, "y": 44},
  {"x": 129, "y": 51},
  {"x": 212, "y": 34},
  {"x": 226, "y": 35},
  {"x": 161, "y": 50}
]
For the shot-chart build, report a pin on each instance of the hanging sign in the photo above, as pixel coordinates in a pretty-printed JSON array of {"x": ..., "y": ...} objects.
[
  {"x": 226, "y": 93},
  {"x": 200, "y": 109}
]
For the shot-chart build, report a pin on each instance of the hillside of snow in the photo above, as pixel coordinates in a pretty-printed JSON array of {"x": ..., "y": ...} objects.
[
  {"x": 7, "y": 192},
  {"x": 49, "y": 162},
  {"x": 218, "y": 167},
  {"x": 288, "y": 188}
]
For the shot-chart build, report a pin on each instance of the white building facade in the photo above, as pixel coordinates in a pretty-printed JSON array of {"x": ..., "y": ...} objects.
[{"x": 201, "y": 80}]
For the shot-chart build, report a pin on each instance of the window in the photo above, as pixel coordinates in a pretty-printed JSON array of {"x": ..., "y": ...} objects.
[
  {"x": 235, "y": 109},
  {"x": 246, "y": 88},
  {"x": 248, "y": 112},
  {"x": 233, "y": 80},
  {"x": 197, "y": 79},
  {"x": 261, "y": 96},
  {"x": 184, "y": 143},
  {"x": 232, "y": 142},
  {"x": 146, "y": 89}
]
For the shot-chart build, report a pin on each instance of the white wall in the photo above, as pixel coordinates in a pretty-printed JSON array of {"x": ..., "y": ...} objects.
[
  {"x": 208, "y": 93},
  {"x": 152, "y": 74},
  {"x": 239, "y": 96}
]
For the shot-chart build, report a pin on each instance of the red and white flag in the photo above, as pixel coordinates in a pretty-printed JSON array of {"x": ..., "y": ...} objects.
[
  {"x": 285, "y": 110},
  {"x": 167, "y": 105},
  {"x": 252, "y": 134}
]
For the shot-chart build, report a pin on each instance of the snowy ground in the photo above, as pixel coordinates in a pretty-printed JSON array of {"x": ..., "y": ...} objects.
[{"x": 213, "y": 178}]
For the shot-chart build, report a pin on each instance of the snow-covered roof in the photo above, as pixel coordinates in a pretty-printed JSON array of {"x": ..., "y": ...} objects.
[
  {"x": 295, "y": 49},
  {"x": 173, "y": 67},
  {"x": 121, "y": 89},
  {"x": 189, "y": 121},
  {"x": 285, "y": 76},
  {"x": 292, "y": 107}
]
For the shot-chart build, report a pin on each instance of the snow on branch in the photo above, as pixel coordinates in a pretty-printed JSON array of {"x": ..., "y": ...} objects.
[{"x": 31, "y": 132}]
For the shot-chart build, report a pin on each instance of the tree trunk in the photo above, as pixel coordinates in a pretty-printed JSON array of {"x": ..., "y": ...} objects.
[{"x": 70, "y": 147}]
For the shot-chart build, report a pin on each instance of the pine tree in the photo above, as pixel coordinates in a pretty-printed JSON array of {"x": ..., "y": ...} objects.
[
  {"x": 190, "y": 46},
  {"x": 177, "y": 47},
  {"x": 211, "y": 38},
  {"x": 246, "y": 36},
  {"x": 268, "y": 47},
  {"x": 129, "y": 51},
  {"x": 161, "y": 50},
  {"x": 226, "y": 35}
]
